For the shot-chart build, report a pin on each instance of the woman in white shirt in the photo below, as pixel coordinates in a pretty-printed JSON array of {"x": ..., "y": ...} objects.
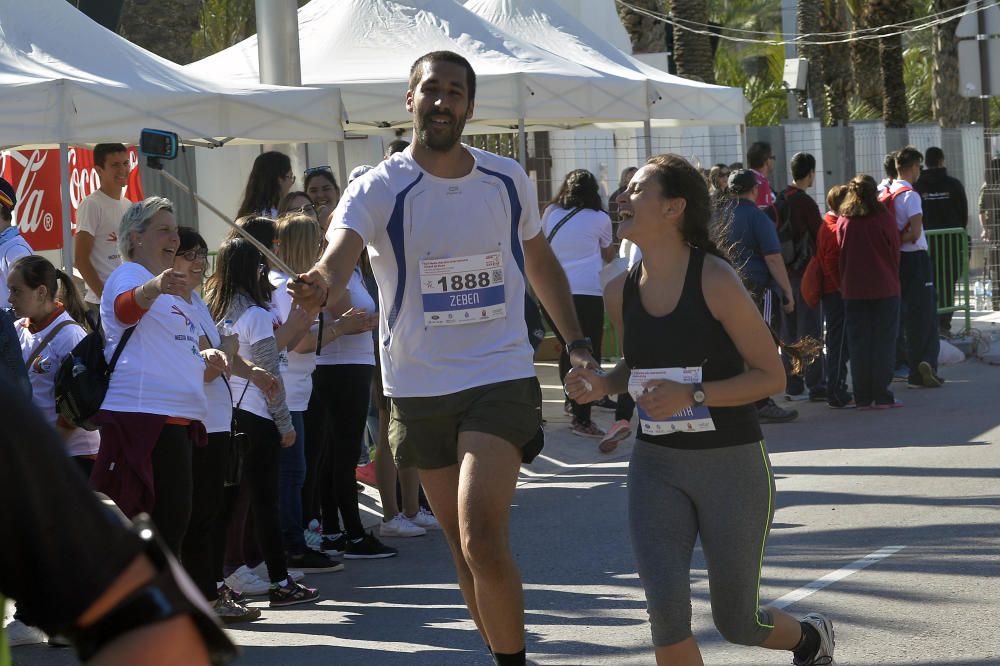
[
  {"x": 51, "y": 326},
  {"x": 152, "y": 414},
  {"x": 579, "y": 232}
]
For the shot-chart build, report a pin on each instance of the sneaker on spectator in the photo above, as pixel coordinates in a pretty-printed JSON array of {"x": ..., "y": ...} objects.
[
  {"x": 19, "y": 633},
  {"x": 771, "y": 413},
  {"x": 230, "y": 611},
  {"x": 796, "y": 397},
  {"x": 618, "y": 432},
  {"x": 606, "y": 403},
  {"x": 246, "y": 582},
  {"x": 261, "y": 572},
  {"x": 334, "y": 544},
  {"x": 366, "y": 474},
  {"x": 586, "y": 429},
  {"x": 400, "y": 526},
  {"x": 313, "y": 539},
  {"x": 290, "y": 594},
  {"x": 824, "y": 654},
  {"x": 901, "y": 374},
  {"x": 930, "y": 379},
  {"x": 312, "y": 562},
  {"x": 818, "y": 395},
  {"x": 845, "y": 401},
  {"x": 368, "y": 547},
  {"x": 425, "y": 519}
]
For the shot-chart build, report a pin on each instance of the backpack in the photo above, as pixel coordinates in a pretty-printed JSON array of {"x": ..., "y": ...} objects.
[
  {"x": 796, "y": 253},
  {"x": 83, "y": 378},
  {"x": 11, "y": 361},
  {"x": 888, "y": 199}
]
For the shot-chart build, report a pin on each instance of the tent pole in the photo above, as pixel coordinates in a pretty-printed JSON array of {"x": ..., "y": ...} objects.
[
  {"x": 67, "y": 222},
  {"x": 647, "y": 130},
  {"x": 522, "y": 144}
]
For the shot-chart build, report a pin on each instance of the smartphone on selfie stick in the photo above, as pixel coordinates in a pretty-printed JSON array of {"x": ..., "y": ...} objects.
[{"x": 158, "y": 145}]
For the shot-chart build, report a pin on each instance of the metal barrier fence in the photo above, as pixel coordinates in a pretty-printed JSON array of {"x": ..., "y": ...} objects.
[{"x": 949, "y": 250}]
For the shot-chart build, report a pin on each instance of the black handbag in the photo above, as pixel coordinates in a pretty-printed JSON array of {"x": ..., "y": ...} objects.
[{"x": 239, "y": 445}]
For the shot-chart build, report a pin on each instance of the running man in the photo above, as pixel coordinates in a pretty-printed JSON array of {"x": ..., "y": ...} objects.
[{"x": 453, "y": 233}]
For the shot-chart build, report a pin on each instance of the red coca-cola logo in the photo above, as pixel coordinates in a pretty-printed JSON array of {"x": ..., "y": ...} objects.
[{"x": 29, "y": 212}]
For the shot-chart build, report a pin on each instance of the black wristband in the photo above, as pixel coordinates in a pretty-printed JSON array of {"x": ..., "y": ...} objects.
[{"x": 581, "y": 343}]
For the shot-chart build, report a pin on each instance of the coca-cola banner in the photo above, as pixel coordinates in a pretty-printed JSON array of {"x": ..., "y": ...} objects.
[{"x": 35, "y": 177}]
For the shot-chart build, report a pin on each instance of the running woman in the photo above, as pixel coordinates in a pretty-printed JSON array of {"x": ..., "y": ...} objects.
[
  {"x": 453, "y": 234},
  {"x": 697, "y": 355}
]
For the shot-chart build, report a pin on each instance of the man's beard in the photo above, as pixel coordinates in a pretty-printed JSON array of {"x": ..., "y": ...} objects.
[{"x": 442, "y": 141}]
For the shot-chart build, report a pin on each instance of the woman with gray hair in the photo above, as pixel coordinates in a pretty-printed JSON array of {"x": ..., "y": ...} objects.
[{"x": 152, "y": 415}]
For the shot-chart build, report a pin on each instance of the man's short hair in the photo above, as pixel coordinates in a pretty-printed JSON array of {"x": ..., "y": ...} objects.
[
  {"x": 758, "y": 154},
  {"x": 802, "y": 165},
  {"x": 416, "y": 71},
  {"x": 889, "y": 164},
  {"x": 907, "y": 157},
  {"x": 934, "y": 157},
  {"x": 102, "y": 150}
]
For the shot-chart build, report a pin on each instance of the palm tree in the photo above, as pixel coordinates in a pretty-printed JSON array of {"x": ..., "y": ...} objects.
[
  {"x": 647, "y": 34},
  {"x": 807, "y": 22},
  {"x": 865, "y": 58},
  {"x": 837, "y": 76},
  {"x": 890, "y": 51},
  {"x": 948, "y": 107},
  {"x": 164, "y": 27},
  {"x": 222, "y": 24},
  {"x": 692, "y": 51}
]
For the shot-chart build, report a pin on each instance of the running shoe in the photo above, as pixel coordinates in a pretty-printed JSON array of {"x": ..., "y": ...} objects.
[
  {"x": 586, "y": 429},
  {"x": 230, "y": 611},
  {"x": 824, "y": 654},
  {"x": 771, "y": 413},
  {"x": 796, "y": 397},
  {"x": 618, "y": 432},
  {"x": 261, "y": 572},
  {"x": 901, "y": 374},
  {"x": 19, "y": 633},
  {"x": 246, "y": 582},
  {"x": 292, "y": 593},
  {"x": 930, "y": 379},
  {"x": 334, "y": 544},
  {"x": 368, "y": 547},
  {"x": 366, "y": 474},
  {"x": 312, "y": 562},
  {"x": 313, "y": 539},
  {"x": 606, "y": 403},
  {"x": 425, "y": 519},
  {"x": 818, "y": 395},
  {"x": 845, "y": 401},
  {"x": 400, "y": 526}
]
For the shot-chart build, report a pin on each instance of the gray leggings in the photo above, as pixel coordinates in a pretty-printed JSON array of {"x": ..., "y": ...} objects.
[{"x": 725, "y": 496}]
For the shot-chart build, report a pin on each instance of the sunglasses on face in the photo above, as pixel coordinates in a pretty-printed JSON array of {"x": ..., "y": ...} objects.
[
  {"x": 326, "y": 168},
  {"x": 193, "y": 255}
]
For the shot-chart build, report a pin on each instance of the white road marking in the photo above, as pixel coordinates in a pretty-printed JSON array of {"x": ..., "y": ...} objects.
[{"x": 834, "y": 576}]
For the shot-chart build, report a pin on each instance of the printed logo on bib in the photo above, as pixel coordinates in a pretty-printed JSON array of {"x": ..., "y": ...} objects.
[
  {"x": 692, "y": 419},
  {"x": 463, "y": 290}
]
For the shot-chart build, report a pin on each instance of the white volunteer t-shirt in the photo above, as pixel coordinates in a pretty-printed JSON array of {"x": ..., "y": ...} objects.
[
  {"x": 101, "y": 216},
  {"x": 254, "y": 325},
  {"x": 905, "y": 206},
  {"x": 630, "y": 252},
  {"x": 11, "y": 251},
  {"x": 220, "y": 406},
  {"x": 578, "y": 244},
  {"x": 296, "y": 368},
  {"x": 406, "y": 215},
  {"x": 42, "y": 374},
  {"x": 160, "y": 370},
  {"x": 358, "y": 349}
]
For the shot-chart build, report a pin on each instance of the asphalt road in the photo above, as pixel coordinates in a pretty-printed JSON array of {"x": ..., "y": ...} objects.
[{"x": 918, "y": 487}]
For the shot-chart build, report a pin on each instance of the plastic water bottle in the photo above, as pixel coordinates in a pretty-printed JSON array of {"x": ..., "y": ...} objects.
[
  {"x": 78, "y": 367},
  {"x": 978, "y": 292},
  {"x": 987, "y": 294},
  {"x": 227, "y": 327}
]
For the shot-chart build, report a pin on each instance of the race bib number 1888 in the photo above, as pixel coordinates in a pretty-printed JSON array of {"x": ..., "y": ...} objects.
[{"x": 462, "y": 290}]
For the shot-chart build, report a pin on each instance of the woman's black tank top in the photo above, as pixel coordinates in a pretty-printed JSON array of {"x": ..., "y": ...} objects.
[{"x": 688, "y": 337}]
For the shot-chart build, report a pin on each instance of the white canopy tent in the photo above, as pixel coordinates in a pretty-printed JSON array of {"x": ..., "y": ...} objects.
[
  {"x": 68, "y": 80},
  {"x": 366, "y": 47}
]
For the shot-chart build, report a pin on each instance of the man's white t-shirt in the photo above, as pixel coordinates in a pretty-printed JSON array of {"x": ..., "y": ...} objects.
[
  {"x": 905, "y": 206},
  {"x": 578, "y": 244},
  {"x": 160, "y": 370},
  {"x": 219, "y": 405},
  {"x": 42, "y": 375},
  {"x": 414, "y": 221},
  {"x": 101, "y": 216},
  {"x": 10, "y": 251},
  {"x": 296, "y": 368},
  {"x": 357, "y": 349},
  {"x": 254, "y": 325}
]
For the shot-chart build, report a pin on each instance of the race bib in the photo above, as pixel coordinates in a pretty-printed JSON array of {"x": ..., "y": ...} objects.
[
  {"x": 463, "y": 290},
  {"x": 692, "y": 419}
]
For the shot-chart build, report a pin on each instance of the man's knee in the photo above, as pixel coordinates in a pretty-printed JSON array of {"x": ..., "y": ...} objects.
[{"x": 484, "y": 546}]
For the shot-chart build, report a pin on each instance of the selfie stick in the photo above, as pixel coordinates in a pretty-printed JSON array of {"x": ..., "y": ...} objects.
[{"x": 271, "y": 256}]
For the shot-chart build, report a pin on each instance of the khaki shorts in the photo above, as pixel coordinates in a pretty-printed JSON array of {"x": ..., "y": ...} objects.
[{"x": 423, "y": 432}]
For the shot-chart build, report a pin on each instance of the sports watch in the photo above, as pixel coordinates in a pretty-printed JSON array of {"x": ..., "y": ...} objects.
[
  {"x": 699, "y": 394},
  {"x": 581, "y": 343}
]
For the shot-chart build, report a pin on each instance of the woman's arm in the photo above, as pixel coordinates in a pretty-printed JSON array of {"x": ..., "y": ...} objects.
[{"x": 264, "y": 353}]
